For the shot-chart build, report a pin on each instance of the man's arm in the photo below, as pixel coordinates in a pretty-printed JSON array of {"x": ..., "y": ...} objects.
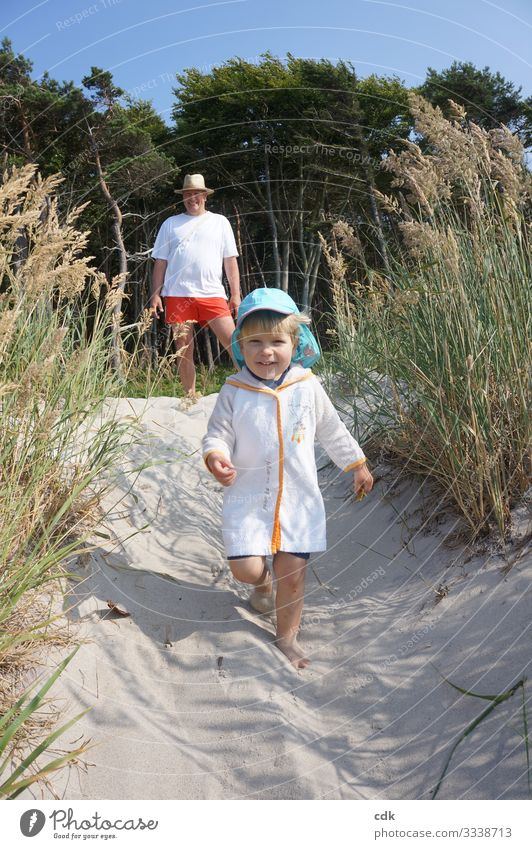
[
  {"x": 233, "y": 276},
  {"x": 157, "y": 281}
]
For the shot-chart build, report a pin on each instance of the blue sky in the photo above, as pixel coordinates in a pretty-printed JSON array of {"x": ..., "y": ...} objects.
[{"x": 145, "y": 43}]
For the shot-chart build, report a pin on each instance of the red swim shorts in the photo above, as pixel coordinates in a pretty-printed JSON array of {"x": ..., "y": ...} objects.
[{"x": 203, "y": 310}]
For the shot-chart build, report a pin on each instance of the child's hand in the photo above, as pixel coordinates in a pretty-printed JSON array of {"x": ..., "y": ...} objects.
[
  {"x": 362, "y": 482},
  {"x": 222, "y": 469}
]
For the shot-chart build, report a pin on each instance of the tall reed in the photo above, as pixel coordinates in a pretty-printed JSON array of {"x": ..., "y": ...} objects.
[
  {"x": 441, "y": 349},
  {"x": 56, "y": 446}
]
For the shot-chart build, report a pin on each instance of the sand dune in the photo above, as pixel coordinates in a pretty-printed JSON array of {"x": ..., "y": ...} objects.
[{"x": 190, "y": 699}]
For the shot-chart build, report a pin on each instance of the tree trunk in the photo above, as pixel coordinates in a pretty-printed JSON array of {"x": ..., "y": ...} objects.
[
  {"x": 286, "y": 264},
  {"x": 28, "y": 153},
  {"x": 314, "y": 276},
  {"x": 243, "y": 254},
  {"x": 377, "y": 222},
  {"x": 122, "y": 255},
  {"x": 369, "y": 177},
  {"x": 311, "y": 270},
  {"x": 273, "y": 224},
  {"x": 256, "y": 259},
  {"x": 208, "y": 349},
  {"x": 150, "y": 336},
  {"x": 218, "y": 350},
  {"x": 21, "y": 243}
]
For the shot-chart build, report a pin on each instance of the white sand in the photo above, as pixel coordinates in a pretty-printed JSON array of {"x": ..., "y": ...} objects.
[{"x": 190, "y": 699}]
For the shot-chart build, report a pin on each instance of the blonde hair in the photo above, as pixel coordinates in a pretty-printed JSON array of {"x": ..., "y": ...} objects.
[{"x": 269, "y": 321}]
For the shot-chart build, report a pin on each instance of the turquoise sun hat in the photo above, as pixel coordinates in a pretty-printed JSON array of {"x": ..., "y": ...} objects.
[{"x": 275, "y": 300}]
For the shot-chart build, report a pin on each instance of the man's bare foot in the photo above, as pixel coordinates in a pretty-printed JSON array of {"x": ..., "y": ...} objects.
[
  {"x": 189, "y": 399},
  {"x": 293, "y": 651}
]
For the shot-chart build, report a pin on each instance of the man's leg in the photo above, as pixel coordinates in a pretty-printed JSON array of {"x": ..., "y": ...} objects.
[
  {"x": 184, "y": 342},
  {"x": 223, "y": 328}
]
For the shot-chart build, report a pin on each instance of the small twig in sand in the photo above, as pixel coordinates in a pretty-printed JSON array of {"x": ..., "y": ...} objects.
[
  {"x": 403, "y": 522},
  {"x": 521, "y": 551},
  {"x": 320, "y": 582},
  {"x": 117, "y": 608},
  {"x": 374, "y": 550},
  {"x": 441, "y": 591}
]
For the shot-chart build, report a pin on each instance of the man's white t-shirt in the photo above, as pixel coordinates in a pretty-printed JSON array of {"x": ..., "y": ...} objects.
[{"x": 194, "y": 247}]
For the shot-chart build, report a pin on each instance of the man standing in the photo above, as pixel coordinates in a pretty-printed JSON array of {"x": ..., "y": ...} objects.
[{"x": 189, "y": 252}]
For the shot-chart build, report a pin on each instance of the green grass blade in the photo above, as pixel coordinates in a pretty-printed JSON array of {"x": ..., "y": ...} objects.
[
  {"x": 468, "y": 730},
  {"x": 492, "y": 698},
  {"x": 527, "y": 745},
  {"x": 6, "y": 787},
  {"x": 46, "y": 770},
  {"x": 472, "y": 725},
  {"x": 11, "y": 730}
]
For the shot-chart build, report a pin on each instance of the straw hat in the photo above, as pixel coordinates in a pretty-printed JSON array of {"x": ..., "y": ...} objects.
[{"x": 194, "y": 181}]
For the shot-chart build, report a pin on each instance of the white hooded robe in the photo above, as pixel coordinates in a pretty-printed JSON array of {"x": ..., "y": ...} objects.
[{"x": 268, "y": 434}]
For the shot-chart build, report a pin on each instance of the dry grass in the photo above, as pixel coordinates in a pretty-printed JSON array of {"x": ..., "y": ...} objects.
[
  {"x": 55, "y": 448},
  {"x": 442, "y": 349}
]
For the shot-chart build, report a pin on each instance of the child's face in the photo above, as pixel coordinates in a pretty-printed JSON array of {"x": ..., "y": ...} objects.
[{"x": 267, "y": 354}]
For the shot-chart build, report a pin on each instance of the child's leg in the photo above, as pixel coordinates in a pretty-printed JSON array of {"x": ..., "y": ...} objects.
[
  {"x": 253, "y": 570},
  {"x": 290, "y": 573}
]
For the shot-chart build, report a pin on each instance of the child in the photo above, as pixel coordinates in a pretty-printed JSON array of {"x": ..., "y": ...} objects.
[{"x": 260, "y": 445}]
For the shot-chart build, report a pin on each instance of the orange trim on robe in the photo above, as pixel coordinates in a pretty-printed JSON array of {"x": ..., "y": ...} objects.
[
  {"x": 355, "y": 465},
  {"x": 239, "y": 385},
  {"x": 266, "y": 390},
  {"x": 248, "y": 519},
  {"x": 291, "y": 382},
  {"x": 276, "y": 532}
]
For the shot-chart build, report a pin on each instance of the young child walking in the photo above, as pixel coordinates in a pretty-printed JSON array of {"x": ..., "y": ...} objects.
[{"x": 260, "y": 446}]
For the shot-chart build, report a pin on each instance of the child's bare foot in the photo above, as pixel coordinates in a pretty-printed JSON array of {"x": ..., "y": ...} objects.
[
  {"x": 261, "y": 599},
  {"x": 262, "y": 602},
  {"x": 293, "y": 651}
]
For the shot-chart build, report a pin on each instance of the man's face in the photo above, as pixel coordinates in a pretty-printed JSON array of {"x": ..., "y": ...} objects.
[{"x": 194, "y": 201}]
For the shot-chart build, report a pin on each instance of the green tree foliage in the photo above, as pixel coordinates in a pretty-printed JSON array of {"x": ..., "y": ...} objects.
[
  {"x": 130, "y": 180},
  {"x": 41, "y": 120},
  {"x": 105, "y": 94},
  {"x": 290, "y": 142},
  {"x": 488, "y": 98},
  {"x": 59, "y": 127},
  {"x": 292, "y": 146},
  {"x": 128, "y": 135}
]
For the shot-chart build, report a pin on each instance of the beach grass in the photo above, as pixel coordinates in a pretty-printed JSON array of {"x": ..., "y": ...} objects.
[
  {"x": 440, "y": 348},
  {"x": 164, "y": 380},
  {"x": 57, "y": 448}
]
